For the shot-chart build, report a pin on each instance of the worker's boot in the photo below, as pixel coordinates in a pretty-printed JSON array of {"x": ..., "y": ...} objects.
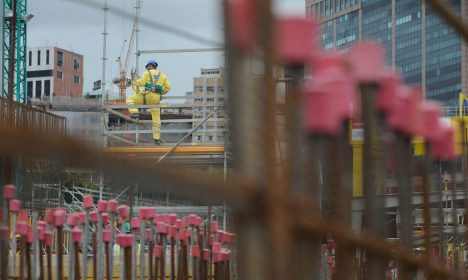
[{"x": 157, "y": 142}]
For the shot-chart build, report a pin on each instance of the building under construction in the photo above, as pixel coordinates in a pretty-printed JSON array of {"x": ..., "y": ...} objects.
[{"x": 300, "y": 159}]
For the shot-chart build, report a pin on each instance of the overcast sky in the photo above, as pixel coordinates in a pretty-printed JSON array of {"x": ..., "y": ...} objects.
[{"x": 79, "y": 28}]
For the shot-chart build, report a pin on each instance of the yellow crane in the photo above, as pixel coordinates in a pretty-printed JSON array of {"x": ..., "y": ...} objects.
[{"x": 123, "y": 63}]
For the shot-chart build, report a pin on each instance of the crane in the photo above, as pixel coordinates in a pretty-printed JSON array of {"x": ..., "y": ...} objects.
[{"x": 123, "y": 63}]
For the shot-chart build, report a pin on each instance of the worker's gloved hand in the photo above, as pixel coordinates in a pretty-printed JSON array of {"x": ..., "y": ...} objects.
[
  {"x": 134, "y": 76},
  {"x": 148, "y": 86},
  {"x": 159, "y": 88}
]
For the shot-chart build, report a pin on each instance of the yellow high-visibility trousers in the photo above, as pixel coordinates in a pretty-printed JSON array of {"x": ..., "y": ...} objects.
[{"x": 148, "y": 98}]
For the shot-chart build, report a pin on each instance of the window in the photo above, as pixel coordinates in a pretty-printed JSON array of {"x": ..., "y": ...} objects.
[
  {"x": 59, "y": 58},
  {"x": 221, "y": 99},
  {"x": 38, "y": 57},
  {"x": 30, "y": 58},
  {"x": 47, "y": 58},
  {"x": 210, "y": 138},
  {"x": 199, "y": 137},
  {"x": 210, "y": 99},
  {"x": 38, "y": 89},
  {"x": 47, "y": 87},
  {"x": 59, "y": 75},
  {"x": 76, "y": 63},
  {"x": 76, "y": 79},
  {"x": 30, "y": 88},
  {"x": 210, "y": 88}
]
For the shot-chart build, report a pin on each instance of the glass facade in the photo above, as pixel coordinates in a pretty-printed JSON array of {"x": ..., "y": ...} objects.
[
  {"x": 341, "y": 24},
  {"x": 377, "y": 23},
  {"x": 443, "y": 59}
]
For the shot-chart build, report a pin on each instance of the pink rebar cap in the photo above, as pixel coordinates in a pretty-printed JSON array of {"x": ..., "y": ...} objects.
[
  {"x": 406, "y": 116},
  {"x": 4, "y": 233},
  {"x": 135, "y": 223},
  {"x": 444, "y": 147},
  {"x": 102, "y": 206},
  {"x": 387, "y": 91},
  {"x": 178, "y": 224},
  {"x": 40, "y": 233},
  {"x": 82, "y": 216},
  {"x": 123, "y": 211},
  {"x": 106, "y": 235},
  {"x": 49, "y": 216},
  {"x": 206, "y": 254},
  {"x": 147, "y": 212},
  {"x": 147, "y": 233},
  {"x": 216, "y": 247},
  {"x": 23, "y": 215},
  {"x": 88, "y": 202},
  {"x": 432, "y": 112},
  {"x": 15, "y": 205},
  {"x": 125, "y": 240},
  {"x": 41, "y": 224},
  {"x": 214, "y": 226},
  {"x": 76, "y": 234},
  {"x": 157, "y": 251},
  {"x": 366, "y": 61},
  {"x": 9, "y": 192},
  {"x": 172, "y": 230},
  {"x": 48, "y": 238},
  {"x": 172, "y": 219},
  {"x": 105, "y": 218},
  {"x": 93, "y": 216},
  {"x": 162, "y": 228},
  {"x": 242, "y": 23},
  {"x": 73, "y": 220},
  {"x": 112, "y": 206},
  {"x": 59, "y": 220},
  {"x": 195, "y": 250},
  {"x": 296, "y": 40},
  {"x": 30, "y": 235}
]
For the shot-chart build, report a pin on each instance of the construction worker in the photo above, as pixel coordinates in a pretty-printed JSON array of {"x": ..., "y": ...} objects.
[{"x": 156, "y": 84}]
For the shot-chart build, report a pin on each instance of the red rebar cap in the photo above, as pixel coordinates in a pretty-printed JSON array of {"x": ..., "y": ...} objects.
[
  {"x": 165, "y": 218},
  {"x": 242, "y": 14},
  {"x": 183, "y": 236},
  {"x": 4, "y": 233},
  {"x": 388, "y": 90},
  {"x": 157, "y": 251},
  {"x": 9, "y": 192},
  {"x": 195, "y": 250},
  {"x": 105, "y": 218},
  {"x": 112, "y": 206},
  {"x": 135, "y": 223},
  {"x": 432, "y": 112},
  {"x": 366, "y": 62},
  {"x": 102, "y": 206},
  {"x": 40, "y": 233},
  {"x": 295, "y": 40},
  {"x": 15, "y": 205},
  {"x": 49, "y": 216},
  {"x": 214, "y": 226},
  {"x": 206, "y": 254},
  {"x": 217, "y": 257},
  {"x": 172, "y": 219},
  {"x": 162, "y": 228},
  {"x": 157, "y": 219},
  {"x": 125, "y": 240},
  {"x": 76, "y": 234},
  {"x": 88, "y": 202},
  {"x": 106, "y": 235},
  {"x": 73, "y": 220},
  {"x": 93, "y": 216},
  {"x": 444, "y": 147},
  {"x": 123, "y": 211},
  {"x": 48, "y": 238},
  {"x": 59, "y": 220},
  {"x": 406, "y": 116}
]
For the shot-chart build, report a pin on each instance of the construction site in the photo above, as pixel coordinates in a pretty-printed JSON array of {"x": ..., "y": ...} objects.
[{"x": 329, "y": 145}]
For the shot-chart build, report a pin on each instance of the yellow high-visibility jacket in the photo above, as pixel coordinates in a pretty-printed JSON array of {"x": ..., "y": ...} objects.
[{"x": 159, "y": 78}]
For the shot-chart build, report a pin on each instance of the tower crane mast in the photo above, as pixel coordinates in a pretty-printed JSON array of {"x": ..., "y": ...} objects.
[{"x": 123, "y": 63}]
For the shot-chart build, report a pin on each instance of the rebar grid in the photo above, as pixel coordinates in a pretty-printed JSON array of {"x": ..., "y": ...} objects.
[{"x": 262, "y": 197}]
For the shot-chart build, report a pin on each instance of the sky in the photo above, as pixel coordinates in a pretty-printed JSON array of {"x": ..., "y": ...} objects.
[{"x": 74, "y": 26}]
